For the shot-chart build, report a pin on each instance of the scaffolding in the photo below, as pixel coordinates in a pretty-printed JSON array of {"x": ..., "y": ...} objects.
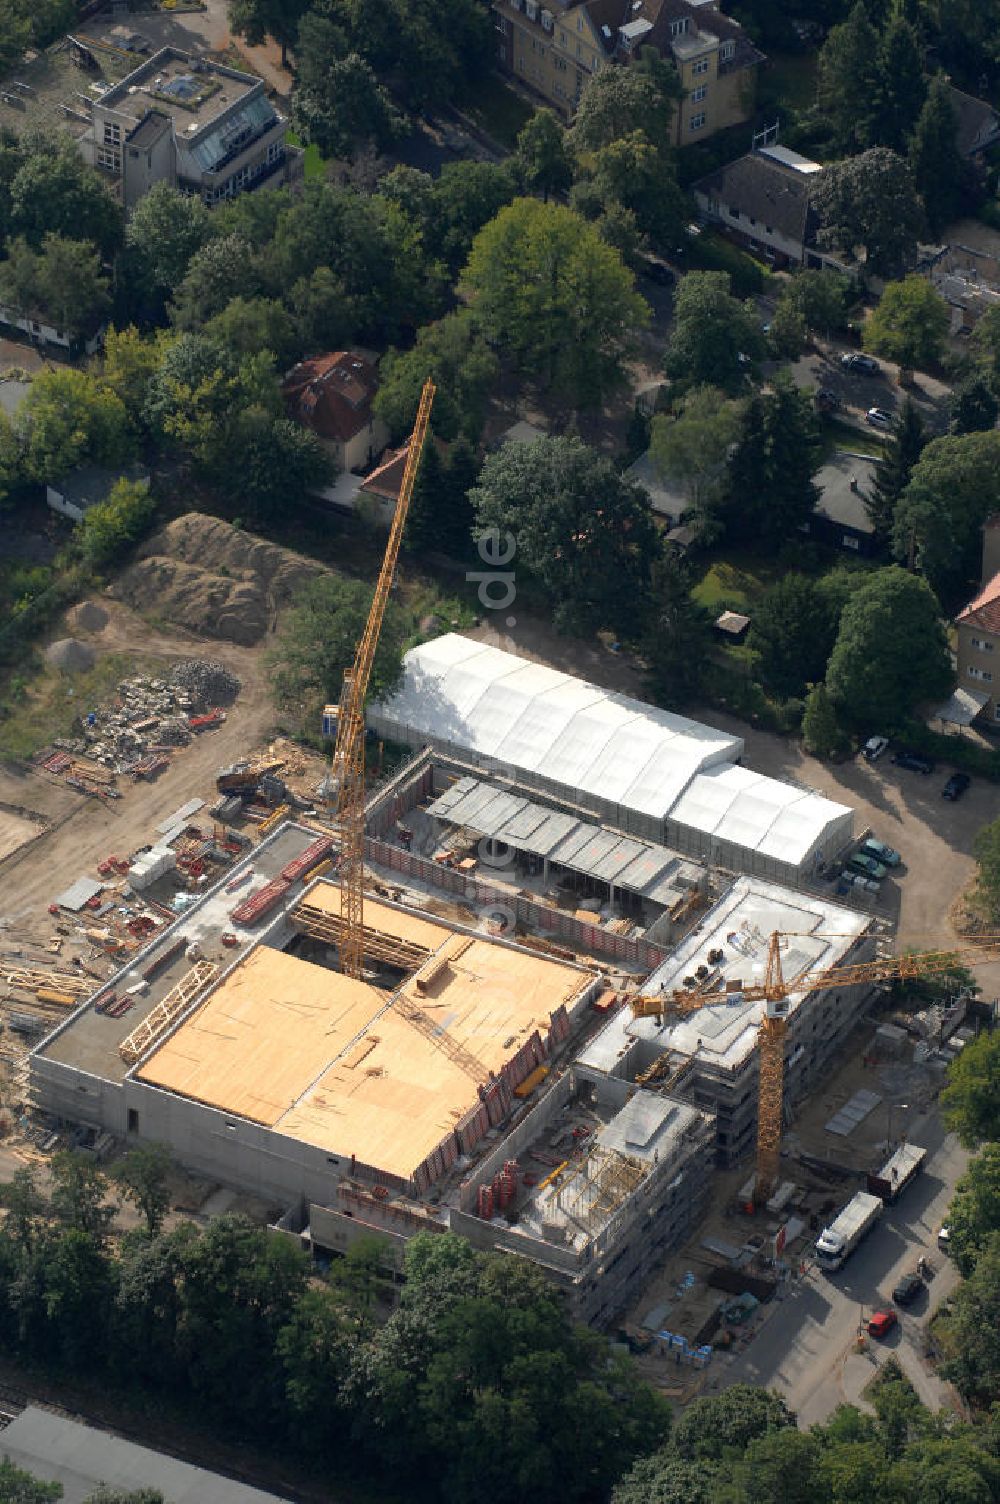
[
  {"x": 158, "y": 1019},
  {"x": 30, "y": 979},
  {"x": 609, "y": 1179},
  {"x": 388, "y": 949}
]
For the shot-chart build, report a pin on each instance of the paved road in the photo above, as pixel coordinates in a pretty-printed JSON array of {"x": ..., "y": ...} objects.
[{"x": 804, "y": 1349}]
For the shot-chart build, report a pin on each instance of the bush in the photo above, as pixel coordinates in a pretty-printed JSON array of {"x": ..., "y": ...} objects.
[
  {"x": 711, "y": 253},
  {"x": 969, "y": 756}
]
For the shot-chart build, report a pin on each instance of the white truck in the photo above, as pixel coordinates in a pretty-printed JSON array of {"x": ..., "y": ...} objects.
[{"x": 847, "y": 1229}]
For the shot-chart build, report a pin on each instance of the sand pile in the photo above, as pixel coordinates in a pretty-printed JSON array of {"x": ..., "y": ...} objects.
[
  {"x": 70, "y": 656},
  {"x": 210, "y": 577},
  {"x": 88, "y": 617}
]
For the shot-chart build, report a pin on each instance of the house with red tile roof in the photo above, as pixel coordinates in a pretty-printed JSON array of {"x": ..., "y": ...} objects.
[
  {"x": 978, "y": 630},
  {"x": 332, "y": 395}
]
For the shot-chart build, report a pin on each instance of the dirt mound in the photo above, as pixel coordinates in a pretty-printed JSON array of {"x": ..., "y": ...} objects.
[
  {"x": 71, "y": 656},
  {"x": 210, "y": 577},
  {"x": 87, "y": 617}
]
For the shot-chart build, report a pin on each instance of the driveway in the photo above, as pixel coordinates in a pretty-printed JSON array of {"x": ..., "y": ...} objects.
[
  {"x": 805, "y": 1349},
  {"x": 821, "y": 367}
]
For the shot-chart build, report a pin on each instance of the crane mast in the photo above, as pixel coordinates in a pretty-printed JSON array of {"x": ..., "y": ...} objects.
[
  {"x": 775, "y": 992},
  {"x": 348, "y": 765}
]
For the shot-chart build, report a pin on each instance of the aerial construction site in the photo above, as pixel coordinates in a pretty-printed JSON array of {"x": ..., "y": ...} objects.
[{"x": 544, "y": 986}]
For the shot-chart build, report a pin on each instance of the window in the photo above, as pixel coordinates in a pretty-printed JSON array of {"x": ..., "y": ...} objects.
[
  {"x": 700, "y": 67},
  {"x": 563, "y": 41},
  {"x": 112, "y": 135},
  {"x": 727, "y": 51},
  {"x": 112, "y": 160},
  {"x": 849, "y": 542},
  {"x": 678, "y": 28},
  {"x": 275, "y": 152},
  {"x": 983, "y": 644},
  {"x": 133, "y": 1120},
  {"x": 734, "y": 213},
  {"x": 503, "y": 54},
  {"x": 698, "y": 94},
  {"x": 996, "y": 712},
  {"x": 695, "y": 124},
  {"x": 982, "y": 674}
]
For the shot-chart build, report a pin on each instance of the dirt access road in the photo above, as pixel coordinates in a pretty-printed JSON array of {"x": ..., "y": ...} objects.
[{"x": 83, "y": 831}]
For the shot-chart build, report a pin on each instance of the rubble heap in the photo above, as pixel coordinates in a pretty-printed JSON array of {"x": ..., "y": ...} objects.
[{"x": 207, "y": 681}]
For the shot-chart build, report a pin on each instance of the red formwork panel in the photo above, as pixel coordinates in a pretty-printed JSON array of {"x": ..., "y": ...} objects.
[
  {"x": 313, "y": 854},
  {"x": 260, "y": 903}
]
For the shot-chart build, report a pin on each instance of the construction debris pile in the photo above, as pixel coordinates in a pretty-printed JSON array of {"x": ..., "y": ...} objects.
[
  {"x": 146, "y": 722},
  {"x": 262, "y": 790}
]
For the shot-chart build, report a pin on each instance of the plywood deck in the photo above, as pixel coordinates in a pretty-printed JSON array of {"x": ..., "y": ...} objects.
[
  {"x": 379, "y": 916},
  {"x": 263, "y": 1036}
]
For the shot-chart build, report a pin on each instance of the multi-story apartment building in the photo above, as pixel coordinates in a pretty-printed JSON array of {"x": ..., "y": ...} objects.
[
  {"x": 188, "y": 121},
  {"x": 553, "y": 48},
  {"x": 977, "y": 631}
]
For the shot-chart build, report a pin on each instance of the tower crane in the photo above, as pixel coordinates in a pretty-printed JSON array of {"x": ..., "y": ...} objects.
[
  {"x": 775, "y": 991},
  {"x": 346, "y": 785}
]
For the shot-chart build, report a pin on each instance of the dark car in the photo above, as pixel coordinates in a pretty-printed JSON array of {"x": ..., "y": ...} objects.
[
  {"x": 860, "y": 365},
  {"x": 826, "y": 400},
  {"x": 916, "y": 762},
  {"x": 908, "y": 1289},
  {"x": 656, "y": 271},
  {"x": 956, "y": 786}
]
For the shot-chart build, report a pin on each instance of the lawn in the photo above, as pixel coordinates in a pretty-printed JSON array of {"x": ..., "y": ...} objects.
[
  {"x": 315, "y": 166},
  {"x": 498, "y": 111},
  {"x": 53, "y": 701},
  {"x": 836, "y": 434},
  {"x": 736, "y": 582}
]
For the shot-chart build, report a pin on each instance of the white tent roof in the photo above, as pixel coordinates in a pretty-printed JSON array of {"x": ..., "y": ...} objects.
[
  {"x": 613, "y": 748},
  {"x": 747, "y": 809},
  {"x": 531, "y": 717}
]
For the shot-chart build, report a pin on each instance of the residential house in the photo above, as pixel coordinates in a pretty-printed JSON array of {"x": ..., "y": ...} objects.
[
  {"x": 977, "y": 126},
  {"x": 978, "y": 631},
  {"x": 667, "y": 501},
  {"x": 553, "y": 49},
  {"x": 88, "y": 487},
  {"x": 764, "y": 201},
  {"x": 840, "y": 518},
  {"x": 332, "y": 395},
  {"x": 191, "y": 122},
  {"x": 40, "y": 332},
  {"x": 380, "y": 490}
]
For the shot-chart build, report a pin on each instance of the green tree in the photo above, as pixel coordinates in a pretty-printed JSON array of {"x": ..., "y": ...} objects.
[
  {"x": 422, "y": 519},
  {"x": 822, "y": 732},
  {"x": 63, "y": 284},
  {"x": 16, "y": 1485},
  {"x": 954, "y": 487},
  {"x": 105, "y": 1495},
  {"x": 974, "y": 1214},
  {"x": 985, "y": 343},
  {"x": 126, "y": 367},
  {"x": 871, "y": 200},
  {"x": 247, "y": 325},
  {"x": 847, "y": 80},
  {"x": 581, "y": 530},
  {"x": 731, "y": 1419},
  {"x": 910, "y": 324},
  {"x": 110, "y": 530},
  {"x": 465, "y": 197},
  {"x": 216, "y": 274},
  {"x": 633, "y": 173},
  {"x": 542, "y": 158},
  {"x": 67, "y": 420},
  {"x": 164, "y": 231},
  {"x": 691, "y": 447},
  {"x": 54, "y": 192},
  {"x": 142, "y": 1176},
  {"x": 677, "y": 635},
  {"x": 280, "y": 465},
  {"x": 820, "y": 297},
  {"x": 548, "y": 291},
  {"x": 256, "y": 20},
  {"x": 314, "y": 1348},
  {"x": 974, "y": 1364},
  {"x": 891, "y": 651},
  {"x": 970, "y": 1103},
  {"x": 792, "y": 634},
  {"x": 788, "y": 334},
  {"x": 940, "y": 172},
  {"x": 780, "y": 1465},
  {"x": 319, "y": 641},
  {"x": 15, "y": 36},
  {"x": 974, "y": 408},
  {"x": 341, "y": 106},
  {"x": 716, "y": 339},
  {"x": 453, "y": 353},
  {"x": 665, "y": 1478},
  {"x": 900, "y": 85},
  {"x": 892, "y": 476},
  {"x": 770, "y": 490},
  {"x": 79, "y": 1189}
]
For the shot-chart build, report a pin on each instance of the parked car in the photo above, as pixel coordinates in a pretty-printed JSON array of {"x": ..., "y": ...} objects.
[
  {"x": 908, "y": 1288},
  {"x": 825, "y": 400},
  {"x": 882, "y": 1323},
  {"x": 916, "y": 762},
  {"x": 860, "y": 365},
  {"x": 864, "y": 884},
  {"x": 880, "y": 851},
  {"x": 956, "y": 786},
  {"x": 655, "y": 270},
  {"x": 944, "y": 1238},
  {"x": 866, "y": 865},
  {"x": 874, "y": 747},
  {"x": 879, "y": 418}
]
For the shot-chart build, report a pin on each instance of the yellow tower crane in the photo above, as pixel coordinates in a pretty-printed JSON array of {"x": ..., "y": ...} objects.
[
  {"x": 775, "y": 992},
  {"x": 347, "y": 781}
]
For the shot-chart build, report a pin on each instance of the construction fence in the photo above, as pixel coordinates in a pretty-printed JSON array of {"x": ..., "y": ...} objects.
[{"x": 577, "y": 936}]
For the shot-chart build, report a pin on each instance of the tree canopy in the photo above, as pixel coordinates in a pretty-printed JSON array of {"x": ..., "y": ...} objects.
[
  {"x": 716, "y": 340},
  {"x": 770, "y": 491},
  {"x": 67, "y": 420},
  {"x": 110, "y": 530},
  {"x": 690, "y": 447},
  {"x": 871, "y": 200},
  {"x": 547, "y": 289},
  {"x": 974, "y": 1214},
  {"x": 940, "y": 172},
  {"x": 910, "y": 324},
  {"x": 953, "y": 487},
  {"x": 455, "y": 356},
  {"x": 903, "y": 449},
  {"x": 891, "y": 651},
  {"x": 581, "y": 530}
]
